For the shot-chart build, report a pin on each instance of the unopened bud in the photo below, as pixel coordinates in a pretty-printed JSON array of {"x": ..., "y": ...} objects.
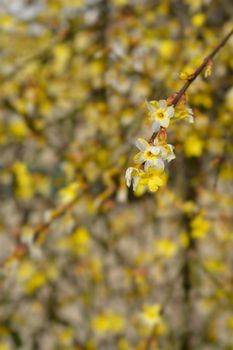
[{"x": 162, "y": 135}]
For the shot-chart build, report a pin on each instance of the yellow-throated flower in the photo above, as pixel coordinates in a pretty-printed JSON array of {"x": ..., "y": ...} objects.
[
  {"x": 183, "y": 111},
  {"x": 152, "y": 178},
  {"x": 160, "y": 113},
  {"x": 167, "y": 152},
  {"x": 149, "y": 155}
]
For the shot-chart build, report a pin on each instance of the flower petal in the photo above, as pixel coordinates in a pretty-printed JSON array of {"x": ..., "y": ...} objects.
[
  {"x": 168, "y": 153},
  {"x": 160, "y": 163},
  {"x": 128, "y": 176},
  {"x": 170, "y": 112},
  {"x": 150, "y": 107},
  {"x": 162, "y": 104},
  {"x": 155, "y": 149},
  {"x": 142, "y": 144},
  {"x": 156, "y": 126},
  {"x": 165, "y": 122},
  {"x": 139, "y": 158},
  {"x": 190, "y": 111},
  {"x": 171, "y": 157},
  {"x": 135, "y": 182},
  {"x": 148, "y": 164},
  {"x": 190, "y": 119}
]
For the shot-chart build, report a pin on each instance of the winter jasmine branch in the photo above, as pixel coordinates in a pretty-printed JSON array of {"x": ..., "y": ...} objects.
[
  {"x": 148, "y": 172},
  {"x": 195, "y": 74}
]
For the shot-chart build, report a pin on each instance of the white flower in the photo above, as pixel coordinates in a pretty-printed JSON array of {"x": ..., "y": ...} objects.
[
  {"x": 167, "y": 152},
  {"x": 160, "y": 114},
  {"x": 149, "y": 155},
  {"x": 190, "y": 115},
  {"x": 132, "y": 175},
  {"x": 183, "y": 111}
]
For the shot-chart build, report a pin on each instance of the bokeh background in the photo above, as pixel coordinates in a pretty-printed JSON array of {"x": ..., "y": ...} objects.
[{"x": 86, "y": 264}]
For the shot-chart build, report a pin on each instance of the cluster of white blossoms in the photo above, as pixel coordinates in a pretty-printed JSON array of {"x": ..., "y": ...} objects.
[{"x": 148, "y": 171}]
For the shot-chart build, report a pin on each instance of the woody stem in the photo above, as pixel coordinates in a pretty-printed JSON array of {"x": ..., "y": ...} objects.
[
  {"x": 206, "y": 60},
  {"x": 200, "y": 69}
]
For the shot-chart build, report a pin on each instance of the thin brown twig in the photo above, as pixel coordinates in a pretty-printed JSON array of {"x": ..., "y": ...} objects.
[
  {"x": 195, "y": 74},
  {"x": 22, "y": 249},
  {"x": 200, "y": 68}
]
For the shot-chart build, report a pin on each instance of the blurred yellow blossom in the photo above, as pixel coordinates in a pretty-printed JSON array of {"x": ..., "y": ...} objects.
[
  {"x": 25, "y": 270},
  {"x": 215, "y": 266},
  {"x": 165, "y": 247},
  {"x": 151, "y": 314},
  {"x": 123, "y": 344},
  {"x": 37, "y": 280},
  {"x": 184, "y": 239},
  {"x": 200, "y": 227},
  {"x": 70, "y": 192},
  {"x": 193, "y": 146},
  {"x": 66, "y": 336},
  {"x": 167, "y": 48},
  {"x": 108, "y": 322},
  {"x": 80, "y": 241},
  {"x": 198, "y": 19},
  {"x": 18, "y": 128},
  {"x": 62, "y": 54},
  {"x": 24, "y": 182}
]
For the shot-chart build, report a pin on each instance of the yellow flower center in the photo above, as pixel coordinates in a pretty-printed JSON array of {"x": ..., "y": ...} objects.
[
  {"x": 167, "y": 149},
  {"x": 160, "y": 114},
  {"x": 149, "y": 155}
]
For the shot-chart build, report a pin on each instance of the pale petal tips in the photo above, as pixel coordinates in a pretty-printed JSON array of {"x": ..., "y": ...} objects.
[
  {"x": 155, "y": 150},
  {"x": 170, "y": 112},
  {"x": 160, "y": 164},
  {"x": 155, "y": 164},
  {"x": 147, "y": 165},
  {"x": 190, "y": 119},
  {"x": 135, "y": 182},
  {"x": 150, "y": 106},
  {"x": 155, "y": 126},
  {"x": 142, "y": 144},
  {"x": 139, "y": 158},
  {"x": 171, "y": 155},
  {"x": 162, "y": 104},
  {"x": 165, "y": 122},
  {"x": 132, "y": 175},
  {"x": 128, "y": 176},
  {"x": 190, "y": 115}
]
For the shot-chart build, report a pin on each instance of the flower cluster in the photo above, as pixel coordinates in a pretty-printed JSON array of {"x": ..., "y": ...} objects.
[{"x": 148, "y": 171}]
